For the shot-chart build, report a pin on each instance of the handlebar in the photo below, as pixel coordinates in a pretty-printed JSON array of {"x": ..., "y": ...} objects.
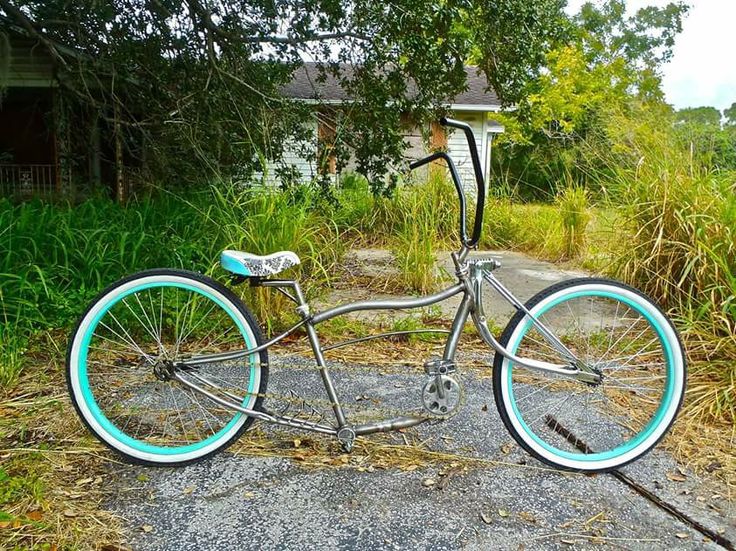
[{"x": 480, "y": 182}]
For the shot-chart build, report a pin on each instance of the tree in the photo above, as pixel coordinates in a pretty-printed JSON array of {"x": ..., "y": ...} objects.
[
  {"x": 707, "y": 116},
  {"x": 645, "y": 39},
  {"x": 700, "y": 128},
  {"x": 606, "y": 61},
  {"x": 610, "y": 59},
  {"x": 200, "y": 79},
  {"x": 730, "y": 115}
]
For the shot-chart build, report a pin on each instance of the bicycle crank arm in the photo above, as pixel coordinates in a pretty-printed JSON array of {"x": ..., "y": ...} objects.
[{"x": 537, "y": 365}]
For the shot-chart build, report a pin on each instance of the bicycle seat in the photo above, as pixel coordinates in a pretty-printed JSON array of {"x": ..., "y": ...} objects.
[{"x": 253, "y": 265}]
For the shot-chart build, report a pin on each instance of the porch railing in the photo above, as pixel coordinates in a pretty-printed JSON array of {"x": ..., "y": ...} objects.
[{"x": 27, "y": 180}]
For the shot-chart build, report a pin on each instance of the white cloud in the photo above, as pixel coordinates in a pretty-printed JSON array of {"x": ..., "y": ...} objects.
[{"x": 702, "y": 70}]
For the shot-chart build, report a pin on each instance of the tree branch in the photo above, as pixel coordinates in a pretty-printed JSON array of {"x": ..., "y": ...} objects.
[
  {"x": 29, "y": 26},
  {"x": 301, "y": 40},
  {"x": 206, "y": 17}
]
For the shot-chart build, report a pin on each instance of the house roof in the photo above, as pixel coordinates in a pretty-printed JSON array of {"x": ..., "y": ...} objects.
[{"x": 307, "y": 85}]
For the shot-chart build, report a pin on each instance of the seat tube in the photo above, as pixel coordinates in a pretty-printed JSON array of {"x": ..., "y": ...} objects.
[
  {"x": 325, "y": 374},
  {"x": 458, "y": 325}
]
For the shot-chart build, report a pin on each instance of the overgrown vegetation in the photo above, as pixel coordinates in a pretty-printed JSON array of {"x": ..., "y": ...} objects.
[
  {"x": 194, "y": 88},
  {"x": 678, "y": 223},
  {"x": 595, "y": 128},
  {"x": 573, "y": 204},
  {"x": 57, "y": 257}
]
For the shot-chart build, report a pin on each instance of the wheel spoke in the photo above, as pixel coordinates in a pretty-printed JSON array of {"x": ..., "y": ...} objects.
[
  {"x": 135, "y": 344},
  {"x": 617, "y": 340}
]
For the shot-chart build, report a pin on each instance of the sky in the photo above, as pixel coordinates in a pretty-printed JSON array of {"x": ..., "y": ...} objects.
[{"x": 702, "y": 70}]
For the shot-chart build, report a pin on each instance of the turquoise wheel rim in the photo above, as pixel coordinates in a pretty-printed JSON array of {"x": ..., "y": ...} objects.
[
  {"x": 647, "y": 431},
  {"x": 114, "y": 431}
]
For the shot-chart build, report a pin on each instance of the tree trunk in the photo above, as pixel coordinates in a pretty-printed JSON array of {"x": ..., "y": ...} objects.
[{"x": 120, "y": 194}]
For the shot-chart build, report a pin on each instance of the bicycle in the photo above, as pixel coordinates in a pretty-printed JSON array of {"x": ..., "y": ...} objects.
[{"x": 168, "y": 367}]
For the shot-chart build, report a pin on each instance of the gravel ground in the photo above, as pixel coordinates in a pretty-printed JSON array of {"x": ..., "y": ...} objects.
[{"x": 239, "y": 502}]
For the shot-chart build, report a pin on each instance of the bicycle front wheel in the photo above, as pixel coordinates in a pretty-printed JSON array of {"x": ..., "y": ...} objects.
[
  {"x": 594, "y": 427},
  {"x": 121, "y": 358}
]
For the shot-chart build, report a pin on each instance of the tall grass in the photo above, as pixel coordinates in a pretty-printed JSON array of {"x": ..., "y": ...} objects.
[
  {"x": 13, "y": 345},
  {"x": 573, "y": 205},
  {"x": 427, "y": 217},
  {"x": 54, "y": 258},
  {"x": 678, "y": 244},
  {"x": 264, "y": 222},
  {"x": 532, "y": 228},
  {"x": 417, "y": 220}
]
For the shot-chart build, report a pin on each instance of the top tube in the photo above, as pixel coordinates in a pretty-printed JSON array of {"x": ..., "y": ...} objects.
[{"x": 391, "y": 304}]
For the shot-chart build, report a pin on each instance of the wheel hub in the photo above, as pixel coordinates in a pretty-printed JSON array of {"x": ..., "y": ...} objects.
[{"x": 163, "y": 369}]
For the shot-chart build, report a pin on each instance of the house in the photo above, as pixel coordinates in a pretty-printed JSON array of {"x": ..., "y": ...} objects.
[
  {"x": 475, "y": 106},
  {"x": 50, "y": 141},
  {"x": 54, "y": 142}
]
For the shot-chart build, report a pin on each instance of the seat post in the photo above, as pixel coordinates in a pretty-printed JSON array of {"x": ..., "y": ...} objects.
[{"x": 301, "y": 304}]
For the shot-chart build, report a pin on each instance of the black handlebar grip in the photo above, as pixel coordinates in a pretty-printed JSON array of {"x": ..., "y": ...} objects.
[{"x": 421, "y": 162}]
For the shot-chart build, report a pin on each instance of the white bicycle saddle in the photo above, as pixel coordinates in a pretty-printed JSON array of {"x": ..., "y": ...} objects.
[{"x": 253, "y": 265}]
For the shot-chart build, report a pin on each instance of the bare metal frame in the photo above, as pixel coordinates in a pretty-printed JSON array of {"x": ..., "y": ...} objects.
[{"x": 472, "y": 274}]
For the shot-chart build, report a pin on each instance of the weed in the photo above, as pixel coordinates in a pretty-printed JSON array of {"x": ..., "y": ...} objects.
[
  {"x": 412, "y": 323},
  {"x": 573, "y": 205},
  {"x": 13, "y": 346}
]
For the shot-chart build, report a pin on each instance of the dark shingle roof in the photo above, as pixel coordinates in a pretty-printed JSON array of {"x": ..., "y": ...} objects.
[{"x": 307, "y": 85}]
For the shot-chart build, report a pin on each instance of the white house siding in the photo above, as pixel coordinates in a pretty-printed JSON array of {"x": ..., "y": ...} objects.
[
  {"x": 416, "y": 148},
  {"x": 458, "y": 149},
  {"x": 30, "y": 65}
]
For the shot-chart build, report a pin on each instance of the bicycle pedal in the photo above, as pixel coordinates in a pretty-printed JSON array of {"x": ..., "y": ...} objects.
[{"x": 439, "y": 367}]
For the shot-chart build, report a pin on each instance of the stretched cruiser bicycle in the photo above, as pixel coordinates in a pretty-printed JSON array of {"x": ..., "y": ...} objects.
[{"x": 167, "y": 367}]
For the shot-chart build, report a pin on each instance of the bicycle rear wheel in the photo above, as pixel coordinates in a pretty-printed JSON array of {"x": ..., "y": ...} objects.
[
  {"x": 142, "y": 325},
  {"x": 593, "y": 427}
]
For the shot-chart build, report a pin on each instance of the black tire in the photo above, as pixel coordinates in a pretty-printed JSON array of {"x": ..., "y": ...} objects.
[
  {"x": 222, "y": 290},
  {"x": 499, "y": 360}
]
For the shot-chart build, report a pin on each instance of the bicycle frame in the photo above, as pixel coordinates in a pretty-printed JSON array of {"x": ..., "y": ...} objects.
[{"x": 471, "y": 274}]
